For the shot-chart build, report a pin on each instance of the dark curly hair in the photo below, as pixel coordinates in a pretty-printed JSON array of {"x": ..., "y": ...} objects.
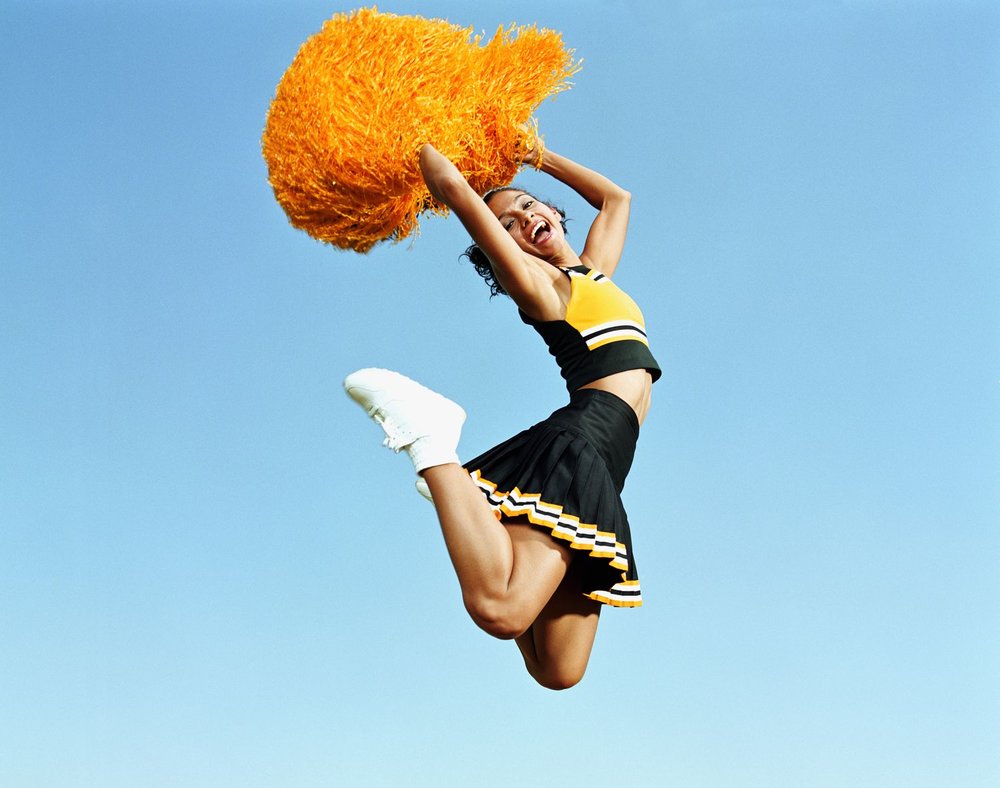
[{"x": 479, "y": 259}]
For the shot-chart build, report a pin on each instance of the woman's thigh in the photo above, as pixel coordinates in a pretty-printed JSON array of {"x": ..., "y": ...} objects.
[
  {"x": 557, "y": 646},
  {"x": 539, "y": 566}
]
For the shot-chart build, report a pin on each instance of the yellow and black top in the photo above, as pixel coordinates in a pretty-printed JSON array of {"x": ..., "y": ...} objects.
[{"x": 603, "y": 331}]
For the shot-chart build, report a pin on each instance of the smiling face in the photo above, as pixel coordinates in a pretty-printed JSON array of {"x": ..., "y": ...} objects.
[{"x": 534, "y": 225}]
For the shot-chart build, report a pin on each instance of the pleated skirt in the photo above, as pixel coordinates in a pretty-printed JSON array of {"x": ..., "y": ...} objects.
[{"x": 565, "y": 475}]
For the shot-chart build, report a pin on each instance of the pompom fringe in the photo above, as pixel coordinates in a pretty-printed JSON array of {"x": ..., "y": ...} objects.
[{"x": 349, "y": 116}]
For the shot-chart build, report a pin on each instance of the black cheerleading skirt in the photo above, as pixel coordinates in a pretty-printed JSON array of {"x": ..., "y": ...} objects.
[{"x": 566, "y": 475}]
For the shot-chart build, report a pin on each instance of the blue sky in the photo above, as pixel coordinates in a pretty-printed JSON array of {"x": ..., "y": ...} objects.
[{"x": 211, "y": 574}]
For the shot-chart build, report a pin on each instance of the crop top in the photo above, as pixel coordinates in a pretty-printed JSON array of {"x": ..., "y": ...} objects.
[{"x": 603, "y": 331}]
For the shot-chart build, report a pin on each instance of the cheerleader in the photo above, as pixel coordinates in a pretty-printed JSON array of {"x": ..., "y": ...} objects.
[{"x": 535, "y": 526}]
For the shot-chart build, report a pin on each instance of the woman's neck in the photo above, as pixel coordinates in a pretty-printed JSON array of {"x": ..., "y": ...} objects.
[{"x": 564, "y": 258}]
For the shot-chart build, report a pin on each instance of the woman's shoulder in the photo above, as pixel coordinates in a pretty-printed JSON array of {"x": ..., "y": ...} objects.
[
  {"x": 595, "y": 266},
  {"x": 548, "y": 299}
]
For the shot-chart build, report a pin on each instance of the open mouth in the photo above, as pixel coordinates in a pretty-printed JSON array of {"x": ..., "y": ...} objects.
[{"x": 540, "y": 232}]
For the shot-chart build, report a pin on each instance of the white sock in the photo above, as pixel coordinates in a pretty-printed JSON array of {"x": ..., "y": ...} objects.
[{"x": 426, "y": 452}]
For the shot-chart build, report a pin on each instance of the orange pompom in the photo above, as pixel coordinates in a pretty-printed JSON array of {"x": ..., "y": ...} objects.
[{"x": 361, "y": 97}]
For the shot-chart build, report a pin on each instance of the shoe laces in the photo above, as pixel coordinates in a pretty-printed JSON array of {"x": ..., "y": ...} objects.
[{"x": 395, "y": 438}]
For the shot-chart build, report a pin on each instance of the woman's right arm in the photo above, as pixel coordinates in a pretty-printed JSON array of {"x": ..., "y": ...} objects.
[
  {"x": 606, "y": 238},
  {"x": 525, "y": 283}
]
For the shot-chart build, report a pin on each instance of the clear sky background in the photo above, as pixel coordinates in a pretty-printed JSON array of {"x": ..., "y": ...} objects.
[{"x": 212, "y": 575}]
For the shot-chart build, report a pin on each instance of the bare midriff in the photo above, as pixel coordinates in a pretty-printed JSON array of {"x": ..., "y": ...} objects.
[{"x": 634, "y": 386}]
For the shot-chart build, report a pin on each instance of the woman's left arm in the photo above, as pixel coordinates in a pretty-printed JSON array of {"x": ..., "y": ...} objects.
[{"x": 606, "y": 238}]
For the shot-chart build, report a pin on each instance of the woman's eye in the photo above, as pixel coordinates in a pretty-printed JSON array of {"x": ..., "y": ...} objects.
[
  {"x": 508, "y": 225},
  {"x": 528, "y": 204}
]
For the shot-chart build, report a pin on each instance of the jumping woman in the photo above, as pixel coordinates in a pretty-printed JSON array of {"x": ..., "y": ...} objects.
[{"x": 535, "y": 527}]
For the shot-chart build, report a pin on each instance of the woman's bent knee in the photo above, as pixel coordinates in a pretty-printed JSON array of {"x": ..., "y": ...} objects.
[
  {"x": 560, "y": 678},
  {"x": 497, "y": 618}
]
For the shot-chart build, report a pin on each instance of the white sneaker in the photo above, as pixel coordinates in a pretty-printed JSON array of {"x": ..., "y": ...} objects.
[
  {"x": 423, "y": 489},
  {"x": 424, "y": 423}
]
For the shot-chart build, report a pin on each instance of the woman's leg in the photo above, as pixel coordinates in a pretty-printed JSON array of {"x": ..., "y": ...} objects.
[
  {"x": 515, "y": 581},
  {"x": 557, "y": 646},
  {"x": 508, "y": 573}
]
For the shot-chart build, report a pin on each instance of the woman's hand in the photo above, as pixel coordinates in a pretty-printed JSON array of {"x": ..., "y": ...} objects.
[
  {"x": 530, "y": 148},
  {"x": 530, "y": 157}
]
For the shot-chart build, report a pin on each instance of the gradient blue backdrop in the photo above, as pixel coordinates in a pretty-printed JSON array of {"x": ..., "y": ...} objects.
[{"x": 211, "y": 574}]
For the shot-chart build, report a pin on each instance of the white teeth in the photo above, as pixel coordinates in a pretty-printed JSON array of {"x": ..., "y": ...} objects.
[{"x": 536, "y": 229}]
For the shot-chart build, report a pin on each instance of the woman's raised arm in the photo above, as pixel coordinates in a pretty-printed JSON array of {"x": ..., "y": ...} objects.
[
  {"x": 526, "y": 284},
  {"x": 606, "y": 238}
]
